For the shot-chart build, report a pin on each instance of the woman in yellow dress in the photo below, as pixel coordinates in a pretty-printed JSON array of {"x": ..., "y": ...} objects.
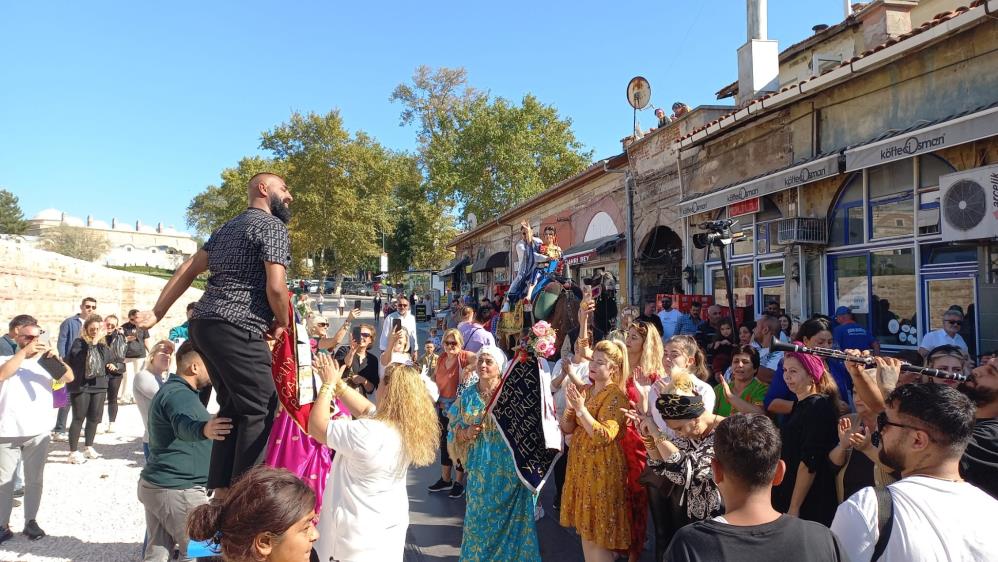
[{"x": 594, "y": 499}]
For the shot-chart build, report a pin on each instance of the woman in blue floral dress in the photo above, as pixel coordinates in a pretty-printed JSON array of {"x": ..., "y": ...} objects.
[{"x": 499, "y": 520}]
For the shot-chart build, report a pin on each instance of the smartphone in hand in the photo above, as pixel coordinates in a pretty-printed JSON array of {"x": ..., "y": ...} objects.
[
  {"x": 356, "y": 334},
  {"x": 356, "y": 304},
  {"x": 396, "y": 324}
]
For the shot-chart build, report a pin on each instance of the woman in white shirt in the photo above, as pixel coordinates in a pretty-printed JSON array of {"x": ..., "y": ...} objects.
[
  {"x": 365, "y": 507},
  {"x": 147, "y": 383}
]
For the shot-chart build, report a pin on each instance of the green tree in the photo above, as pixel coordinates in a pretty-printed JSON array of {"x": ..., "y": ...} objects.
[
  {"x": 484, "y": 155},
  {"x": 11, "y": 217},
  {"x": 75, "y": 242},
  {"x": 217, "y": 204}
]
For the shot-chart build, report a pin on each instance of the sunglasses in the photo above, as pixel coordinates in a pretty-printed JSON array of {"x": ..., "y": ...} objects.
[
  {"x": 32, "y": 338},
  {"x": 90, "y": 306},
  {"x": 450, "y": 342},
  {"x": 322, "y": 325},
  {"x": 366, "y": 335},
  {"x": 955, "y": 322},
  {"x": 882, "y": 423}
]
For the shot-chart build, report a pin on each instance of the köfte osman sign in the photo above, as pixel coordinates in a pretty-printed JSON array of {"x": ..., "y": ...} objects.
[
  {"x": 777, "y": 181},
  {"x": 967, "y": 128}
]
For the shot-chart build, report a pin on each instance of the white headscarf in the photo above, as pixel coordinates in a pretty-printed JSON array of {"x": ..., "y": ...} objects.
[{"x": 497, "y": 355}]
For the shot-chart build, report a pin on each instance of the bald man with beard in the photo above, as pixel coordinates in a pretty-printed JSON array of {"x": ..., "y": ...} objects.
[{"x": 245, "y": 304}]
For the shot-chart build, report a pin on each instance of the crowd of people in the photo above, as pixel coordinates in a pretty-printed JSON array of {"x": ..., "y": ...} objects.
[{"x": 696, "y": 432}]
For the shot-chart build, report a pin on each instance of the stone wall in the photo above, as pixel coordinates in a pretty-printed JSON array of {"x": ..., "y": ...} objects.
[{"x": 50, "y": 286}]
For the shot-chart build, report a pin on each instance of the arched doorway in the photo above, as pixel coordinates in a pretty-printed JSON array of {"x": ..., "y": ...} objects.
[{"x": 659, "y": 263}]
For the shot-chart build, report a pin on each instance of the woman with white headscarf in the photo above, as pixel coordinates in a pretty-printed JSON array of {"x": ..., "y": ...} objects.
[{"x": 499, "y": 520}]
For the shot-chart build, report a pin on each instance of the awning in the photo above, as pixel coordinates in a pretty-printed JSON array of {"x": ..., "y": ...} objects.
[
  {"x": 455, "y": 265},
  {"x": 799, "y": 174},
  {"x": 950, "y": 132},
  {"x": 586, "y": 251},
  {"x": 498, "y": 259}
]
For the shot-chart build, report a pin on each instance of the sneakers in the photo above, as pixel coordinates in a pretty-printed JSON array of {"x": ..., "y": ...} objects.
[
  {"x": 91, "y": 453},
  {"x": 456, "y": 491},
  {"x": 110, "y": 427},
  {"x": 33, "y": 531},
  {"x": 60, "y": 436},
  {"x": 441, "y": 485},
  {"x": 19, "y": 493},
  {"x": 77, "y": 457},
  {"x": 5, "y": 535}
]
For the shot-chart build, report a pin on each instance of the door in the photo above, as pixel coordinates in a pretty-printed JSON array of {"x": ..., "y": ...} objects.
[{"x": 943, "y": 291}]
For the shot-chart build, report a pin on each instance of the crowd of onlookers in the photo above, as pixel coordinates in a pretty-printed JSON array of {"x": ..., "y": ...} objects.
[{"x": 735, "y": 450}]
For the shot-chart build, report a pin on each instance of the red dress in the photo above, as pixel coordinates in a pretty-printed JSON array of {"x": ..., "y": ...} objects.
[{"x": 636, "y": 457}]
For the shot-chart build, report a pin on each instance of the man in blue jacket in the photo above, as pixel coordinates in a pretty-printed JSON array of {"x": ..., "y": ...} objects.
[{"x": 69, "y": 330}]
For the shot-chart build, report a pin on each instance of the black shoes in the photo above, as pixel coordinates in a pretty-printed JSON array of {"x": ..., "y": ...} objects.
[
  {"x": 6, "y": 535},
  {"x": 441, "y": 485},
  {"x": 456, "y": 491},
  {"x": 33, "y": 531}
]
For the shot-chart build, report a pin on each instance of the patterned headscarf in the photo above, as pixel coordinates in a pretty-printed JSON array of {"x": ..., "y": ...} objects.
[
  {"x": 679, "y": 407},
  {"x": 812, "y": 363},
  {"x": 497, "y": 355}
]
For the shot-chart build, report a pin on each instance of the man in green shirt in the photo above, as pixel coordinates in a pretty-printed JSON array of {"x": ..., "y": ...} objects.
[
  {"x": 180, "y": 434},
  {"x": 745, "y": 393}
]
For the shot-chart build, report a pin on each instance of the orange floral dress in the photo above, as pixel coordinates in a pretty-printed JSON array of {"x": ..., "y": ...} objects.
[{"x": 594, "y": 499}]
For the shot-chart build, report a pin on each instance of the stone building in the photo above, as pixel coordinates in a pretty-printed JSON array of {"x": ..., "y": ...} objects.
[
  {"x": 138, "y": 244},
  {"x": 864, "y": 175},
  {"x": 587, "y": 212}
]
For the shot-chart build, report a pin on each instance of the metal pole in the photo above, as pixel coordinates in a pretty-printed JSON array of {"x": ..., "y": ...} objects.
[
  {"x": 727, "y": 282},
  {"x": 629, "y": 202}
]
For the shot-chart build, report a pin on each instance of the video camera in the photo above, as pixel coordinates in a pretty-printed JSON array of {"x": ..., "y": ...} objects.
[{"x": 719, "y": 233}]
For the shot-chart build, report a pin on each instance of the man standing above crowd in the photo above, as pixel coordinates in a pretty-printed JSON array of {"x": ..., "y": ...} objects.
[
  {"x": 931, "y": 513},
  {"x": 408, "y": 322},
  {"x": 948, "y": 334},
  {"x": 25, "y": 394},
  {"x": 173, "y": 481},
  {"x": 69, "y": 330},
  {"x": 765, "y": 332},
  {"x": 245, "y": 302}
]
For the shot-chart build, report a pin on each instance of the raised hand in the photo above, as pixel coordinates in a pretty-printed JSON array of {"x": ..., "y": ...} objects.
[
  {"x": 860, "y": 440},
  {"x": 575, "y": 398},
  {"x": 330, "y": 371},
  {"x": 845, "y": 432},
  {"x": 888, "y": 371},
  {"x": 146, "y": 319}
]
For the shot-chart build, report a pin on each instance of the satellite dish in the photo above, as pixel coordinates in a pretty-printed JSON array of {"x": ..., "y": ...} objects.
[
  {"x": 472, "y": 221},
  {"x": 638, "y": 92}
]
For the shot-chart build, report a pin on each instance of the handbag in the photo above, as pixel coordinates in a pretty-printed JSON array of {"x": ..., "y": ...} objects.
[
  {"x": 117, "y": 346},
  {"x": 95, "y": 366}
]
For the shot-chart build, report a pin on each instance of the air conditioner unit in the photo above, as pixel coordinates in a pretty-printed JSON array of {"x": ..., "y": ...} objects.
[
  {"x": 802, "y": 230},
  {"x": 968, "y": 203}
]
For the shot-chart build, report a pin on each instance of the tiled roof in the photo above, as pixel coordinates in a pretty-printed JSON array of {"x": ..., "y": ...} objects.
[{"x": 938, "y": 19}]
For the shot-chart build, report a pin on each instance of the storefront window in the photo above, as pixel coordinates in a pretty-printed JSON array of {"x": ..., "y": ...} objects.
[
  {"x": 891, "y": 206},
  {"x": 847, "y": 218},
  {"x": 852, "y": 287},
  {"x": 955, "y": 252},
  {"x": 930, "y": 167},
  {"x": 743, "y": 246},
  {"x": 892, "y": 281},
  {"x": 744, "y": 291},
  {"x": 993, "y": 263},
  {"x": 771, "y": 268}
]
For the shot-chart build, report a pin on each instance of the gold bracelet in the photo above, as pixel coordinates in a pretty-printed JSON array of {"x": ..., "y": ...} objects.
[
  {"x": 326, "y": 388},
  {"x": 340, "y": 388}
]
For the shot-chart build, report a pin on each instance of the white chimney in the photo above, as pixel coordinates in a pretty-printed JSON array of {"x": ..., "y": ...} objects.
[{"x": 758, "y": 58}]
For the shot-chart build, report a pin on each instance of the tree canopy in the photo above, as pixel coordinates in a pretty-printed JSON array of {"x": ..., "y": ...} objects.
[
  {"x": 476, "y": 154},
  {"x": 11, "y": 217}
]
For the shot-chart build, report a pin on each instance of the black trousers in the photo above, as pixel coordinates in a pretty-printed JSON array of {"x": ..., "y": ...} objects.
[
  {"x": 87, "y": 406},
  {"x": 666, "y": 514},
  {"x": 560, "y": 467},
  {"x": 113, "y": 384},
  {"x": 239, "y": 365}
]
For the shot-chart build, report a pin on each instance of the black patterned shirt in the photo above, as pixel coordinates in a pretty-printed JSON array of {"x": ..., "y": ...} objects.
[{"x": 237, "y": 282}]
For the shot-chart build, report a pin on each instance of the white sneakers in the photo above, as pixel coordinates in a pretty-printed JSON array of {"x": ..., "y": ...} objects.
[
  {"x": 77, "y": 457},
  {"x": 91, "y": 453},
  {"x": 110, "y": 427}
]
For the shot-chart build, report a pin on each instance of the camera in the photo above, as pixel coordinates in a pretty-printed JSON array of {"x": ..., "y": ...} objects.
[{"x": 719, "y": 233}]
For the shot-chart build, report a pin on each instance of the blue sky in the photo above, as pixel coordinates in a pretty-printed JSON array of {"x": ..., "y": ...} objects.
[{"x": 128, "y": 109}]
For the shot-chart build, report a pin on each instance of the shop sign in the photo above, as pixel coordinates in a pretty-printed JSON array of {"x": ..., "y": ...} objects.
[
  {"x": 801, "y": 174},
  {"x": 580, "y": 258},
  {"x": 500, "y": 275},
  {"x": 746, "y": 207}
]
